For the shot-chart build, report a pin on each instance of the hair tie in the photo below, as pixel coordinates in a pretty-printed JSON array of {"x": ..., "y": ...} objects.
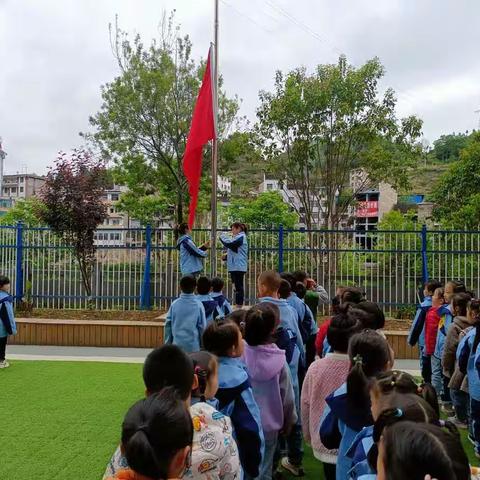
[
  {"x": 242, "y": 324},
  {"x": 358, "y": 359},
  {"x": 398, "y": 413},
  {"x": 144, "y": 429}
]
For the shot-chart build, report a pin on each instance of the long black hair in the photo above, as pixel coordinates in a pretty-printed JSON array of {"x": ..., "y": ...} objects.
[
  {"x": 205, "y": 365},
  {"x": 153, "y": 431},
  {"x": 413, "y": 450},
  {"x": 260, "y": 324}
]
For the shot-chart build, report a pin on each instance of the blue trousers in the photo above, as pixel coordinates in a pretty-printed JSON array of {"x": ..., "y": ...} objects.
[{"x": 437, "y": 375}]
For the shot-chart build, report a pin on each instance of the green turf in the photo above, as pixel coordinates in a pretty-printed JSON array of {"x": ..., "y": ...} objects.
[{"x": 62, "y": 419}]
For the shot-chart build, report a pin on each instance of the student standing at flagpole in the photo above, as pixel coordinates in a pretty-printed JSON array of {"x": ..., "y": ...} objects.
[{"x": 191, "y": 256}]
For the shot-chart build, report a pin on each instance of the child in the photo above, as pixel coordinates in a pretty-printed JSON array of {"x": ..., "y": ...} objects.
[
  {"x": 191, "y": 256},
  {"x": 300, "y": 291},
  {"x": 238, "y": 317},
  {"x": 157, "y": 438},
  {"x": 432, "y": 320},
  {"x": 186, "y": 318},
  {"x": 217, "y": 293},
  {"x": 417, "y": 330},
  {"x": 348, "y": 407},
  {"x": 323, "y": 377},
  {"x": 169, "y": 366},
  {"x": 208, "y": 423},
  {"x": 7, "y": 320},
  {"x": 235, "y": 396},
  {"x": 446, "y": 318},
  {"x": 417, "y": 451},
  {"x": 209, "y": 303},
  {"x": 460, "y": 399},
  {"x": 289, "y": 338},
  {"x": 270, "y": 378}
]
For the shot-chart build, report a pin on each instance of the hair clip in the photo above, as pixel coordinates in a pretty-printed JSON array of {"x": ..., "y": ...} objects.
[
  {"x": 398, "y": 413},
  {"x": 358, "y": 359}
]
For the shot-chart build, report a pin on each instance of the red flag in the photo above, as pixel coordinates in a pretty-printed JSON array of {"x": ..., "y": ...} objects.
[{"x": 201, "y": 131}]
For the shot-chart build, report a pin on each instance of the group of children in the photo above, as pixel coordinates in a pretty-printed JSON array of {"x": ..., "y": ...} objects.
[
  {"x": 235, "y": 395},
  {"x": 447, "y": 330}
]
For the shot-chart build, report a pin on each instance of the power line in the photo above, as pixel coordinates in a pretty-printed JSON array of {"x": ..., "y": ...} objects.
[{"x": 244, "y": 15}]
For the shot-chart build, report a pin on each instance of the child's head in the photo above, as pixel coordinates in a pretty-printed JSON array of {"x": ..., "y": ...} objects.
[
  {"x": 206, "y": 370},
  {"x": 473, "y": 311},
  {"x": 301, "y": 276},
  {"x": 268, "y": 284},
  {"x": 182, "y": 229},
  {"x": 289, "y": 278},
  {"x": 168, "y": 366},
  {"x": 217, "y": 284},
  {"x": 238, "y": 227},
  {"x": 188, "y": 284},
  {"x": 452, "y": 287},
  {"x": 351, "y": 295},
  {"x": 203, "y": 285},
  {"x": 369, "y": 355},
  {"x": 374, "y": 316},
  {"x": 430, "y": 287},
  {"x": 460, "y": 302},
  {"x": 410, "y": 450},
  {"x": 394, "y": 382},
  {"x": 300, "y": 290},
  {"x": 157, "y": 435},
  {"x": 223, "y": 338},
  {"x": 238, "y": 317},
  {"x": 260, "y": 324},
  {"x": 438, "y": 298},
  {"x": 4, "y": 283},
  {"x": 345, "y": 323},
  {"x": 285, "y": 289}
]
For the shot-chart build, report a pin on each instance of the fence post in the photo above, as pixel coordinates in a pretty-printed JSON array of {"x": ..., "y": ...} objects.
[
  {"x": 145, "y": 292},
  {"x": 280, "y": 248},
  {"x": 424, "y": 254},
  {"x": 19, "y": 264}
]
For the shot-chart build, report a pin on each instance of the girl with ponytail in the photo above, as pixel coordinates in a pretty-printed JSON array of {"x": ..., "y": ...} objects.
[
  {"x": 348, "y": 407},
  {"x": 157, "y": 436}
]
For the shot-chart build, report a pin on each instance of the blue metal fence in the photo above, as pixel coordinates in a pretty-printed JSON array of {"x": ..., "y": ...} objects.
[{"x": 138, "y": 268}]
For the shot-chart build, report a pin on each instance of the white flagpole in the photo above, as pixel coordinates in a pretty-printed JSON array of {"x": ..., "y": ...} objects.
[{"x": 215, "y": 148}]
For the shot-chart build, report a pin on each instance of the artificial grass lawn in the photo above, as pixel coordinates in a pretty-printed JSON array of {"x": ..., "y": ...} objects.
[{"x": 62, "y": 419}]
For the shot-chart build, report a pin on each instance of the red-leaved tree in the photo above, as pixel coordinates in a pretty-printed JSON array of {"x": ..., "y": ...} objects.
[{"x": 73, "y": 206}]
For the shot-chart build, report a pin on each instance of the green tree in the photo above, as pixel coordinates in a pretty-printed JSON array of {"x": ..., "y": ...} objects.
[
  {"x": 316, "y": 129},
  {"x": 25, "y": 211},
  {"x": 266, "y": 210},
  {"x": 456, "y": 195},
  {"x": 447, "y": 148},
  {"x": 143, "y": 123}
]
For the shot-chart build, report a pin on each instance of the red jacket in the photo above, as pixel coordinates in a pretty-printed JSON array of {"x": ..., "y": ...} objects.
[
  {"x": 431, "y": 329},
  {"x": 321, "y": 335}
]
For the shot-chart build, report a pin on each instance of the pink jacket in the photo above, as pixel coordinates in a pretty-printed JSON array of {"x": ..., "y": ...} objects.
[{"x": 323, "y": 377}]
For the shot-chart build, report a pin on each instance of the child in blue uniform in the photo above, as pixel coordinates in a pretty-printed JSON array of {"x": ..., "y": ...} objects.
[
  {"x": 191, "y": 256},
  {"x": 7, "y": 320},
  {"x": 209, "y": 303},
  {"x": 186, "y": 319},
  {"x": 217, "y": 294}
]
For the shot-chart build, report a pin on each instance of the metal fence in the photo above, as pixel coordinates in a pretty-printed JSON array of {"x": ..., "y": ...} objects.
[{"x": 139, "y": 268}]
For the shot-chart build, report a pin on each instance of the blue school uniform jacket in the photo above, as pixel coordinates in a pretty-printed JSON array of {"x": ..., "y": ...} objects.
[
  {"x": 185, "y": 323},
  {"x": 224, "y": 306},
  {"x": 307, "y": 324},
  {"x": 339, "y": 427},
  {"x": 7, "y": 323},
  {"x": 237, "y": 251},
  {"x": 358, "y": 453},
  {"x": 467, "y": 363},
  {"x": 211, "y": 307},
  {"x": 417, "y": 330},
  {"x": 446, "y": 319},
  {"x": 235, "y": 399},
  {"x": 191, "y": 257}
]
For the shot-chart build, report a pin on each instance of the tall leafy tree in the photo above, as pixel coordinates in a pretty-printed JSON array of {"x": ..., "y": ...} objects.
[
  {"x": 26, "y": 211},
  {"x": 143, "y": 123},
  {"x": 447, "y": 148},
  {"x": 73, "y": 206},
  {"x": 457, "y": 196},
  {"x": 315, "y": 130}
]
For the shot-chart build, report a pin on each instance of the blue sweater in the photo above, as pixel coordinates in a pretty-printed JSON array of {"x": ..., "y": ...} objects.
[
  {"x": 211, "y": 307},
  {"x": 235, "y": 399},
  {"x": 191, "y": 257},
  {"x": 185, "y": 323},
  {"x": 224, "y": 306},
  {"x": 467, "y": 363},
  {"x": 237, "y": 252},
  {"x": 417, "y": 330},
  {"x": 446, "y": 319},
  {"x": 307, "y": 324},
  {"x": 7, "y": 322},
  {"x": 358, "y": 453},
  {"x": 340, "y": 426}
]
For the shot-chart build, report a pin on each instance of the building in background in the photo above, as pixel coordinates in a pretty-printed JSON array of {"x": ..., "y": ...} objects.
[
  {"x": 21, "y": 186},
  {"x": 224, "y": 185}
]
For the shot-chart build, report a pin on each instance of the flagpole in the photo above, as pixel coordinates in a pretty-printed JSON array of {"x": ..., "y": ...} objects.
[{"x": 215, "y": 148}]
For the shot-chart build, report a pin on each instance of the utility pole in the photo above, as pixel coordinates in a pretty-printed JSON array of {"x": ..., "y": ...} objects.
[{"x": 2, "y": 158}]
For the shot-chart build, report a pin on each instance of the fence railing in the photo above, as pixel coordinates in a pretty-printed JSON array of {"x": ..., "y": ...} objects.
[{"x": 139, "y": 268}]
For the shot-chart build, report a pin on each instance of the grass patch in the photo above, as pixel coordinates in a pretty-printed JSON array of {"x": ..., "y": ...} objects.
[{"x": 62, "y": 419}]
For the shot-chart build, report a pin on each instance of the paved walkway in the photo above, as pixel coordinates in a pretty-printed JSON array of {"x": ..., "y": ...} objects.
[{"x": 118, "y": 355}]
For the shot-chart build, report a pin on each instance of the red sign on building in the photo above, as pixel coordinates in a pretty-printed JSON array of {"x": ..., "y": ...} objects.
[{"x": 367, "y": 209}]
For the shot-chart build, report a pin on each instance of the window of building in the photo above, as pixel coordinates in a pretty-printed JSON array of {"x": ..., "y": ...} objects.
[
  {"x": 114, "y": 236},
  {"x": 269, "y": 186},
  {"x": 114, "y": 197},
  {"x": 21, "y": 189},
  {"x": 115, "y": 221},
  {"x": 22, "y": 179},
  {"x": 112, "y": 210}
]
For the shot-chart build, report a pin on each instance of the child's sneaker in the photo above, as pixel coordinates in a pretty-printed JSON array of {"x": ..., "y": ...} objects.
[
  {"x": 296, "y": 471},
  {"x": 4, "y": 364}
]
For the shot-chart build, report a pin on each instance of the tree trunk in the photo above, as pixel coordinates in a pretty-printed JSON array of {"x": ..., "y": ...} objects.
[{"x": 85, "y": 272}]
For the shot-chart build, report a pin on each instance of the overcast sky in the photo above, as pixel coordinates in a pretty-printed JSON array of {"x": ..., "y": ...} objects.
[{"x": 55, "y": 55}]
